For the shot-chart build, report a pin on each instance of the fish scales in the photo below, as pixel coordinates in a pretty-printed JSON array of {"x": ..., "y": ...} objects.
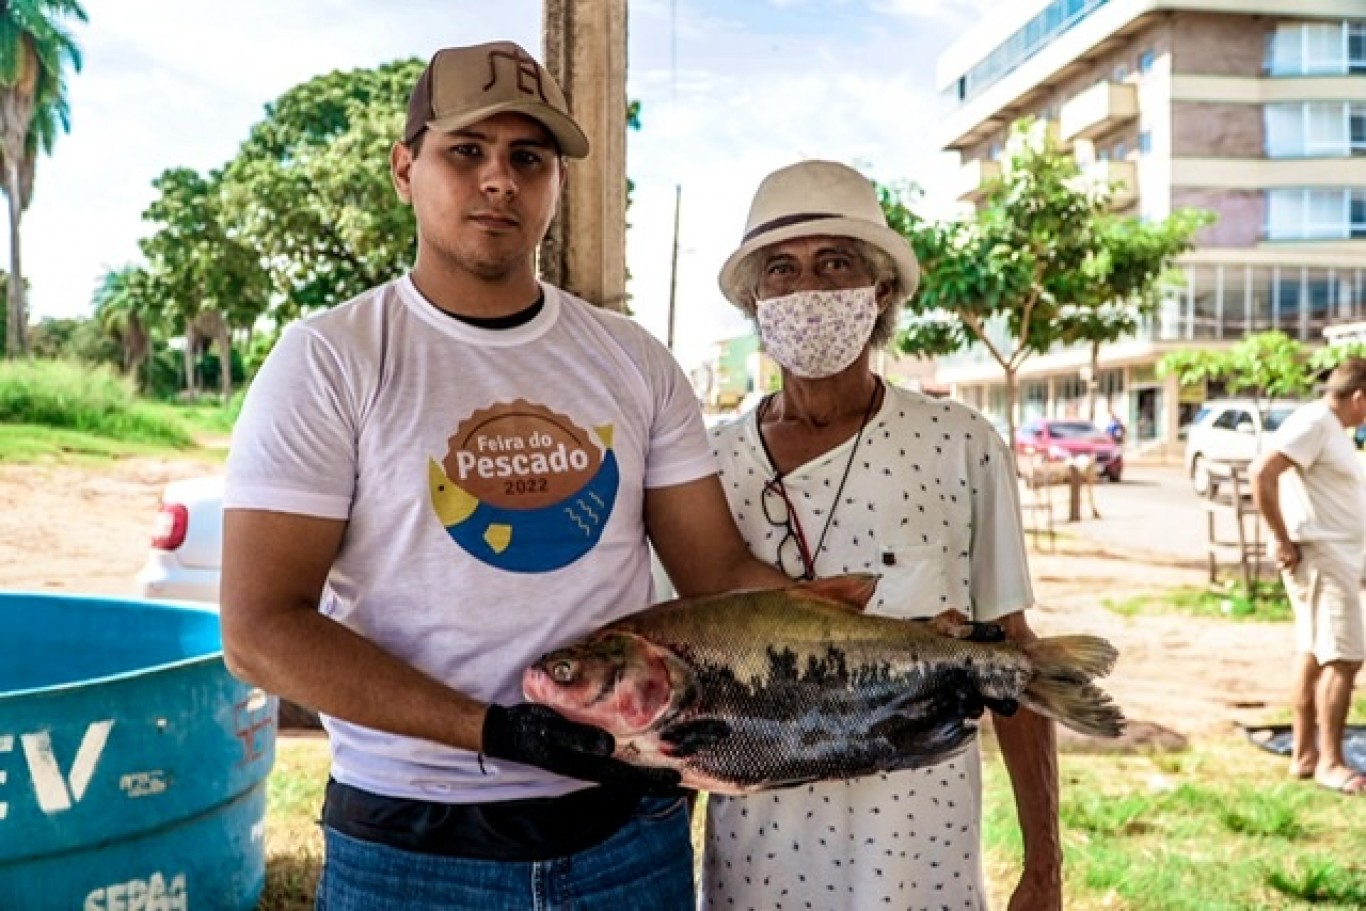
[{"x": 753, "y": 690}]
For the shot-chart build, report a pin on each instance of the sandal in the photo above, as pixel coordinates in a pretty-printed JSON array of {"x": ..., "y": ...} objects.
[{"x": 1350, "y": 783}]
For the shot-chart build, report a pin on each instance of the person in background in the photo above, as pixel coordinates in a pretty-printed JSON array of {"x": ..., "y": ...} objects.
[
  {"x": 1114, "y": 428},
  {"x": 840, "y": 472},
  {"x": 1310, "y": 488},
  {"x": 436, "y": 482}
]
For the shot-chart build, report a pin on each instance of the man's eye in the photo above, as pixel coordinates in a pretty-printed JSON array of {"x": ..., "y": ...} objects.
[
  {"x": 465, "y": 149},
  {"x": 527, "y": 159},
  {"x": 778, "y": 269}
]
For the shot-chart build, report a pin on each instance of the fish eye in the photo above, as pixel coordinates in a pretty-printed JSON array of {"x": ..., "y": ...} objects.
[{"x": 562, "y": 671}]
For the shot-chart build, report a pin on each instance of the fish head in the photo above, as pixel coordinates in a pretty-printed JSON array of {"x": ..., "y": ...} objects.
[{"x": 615, "y": 680}]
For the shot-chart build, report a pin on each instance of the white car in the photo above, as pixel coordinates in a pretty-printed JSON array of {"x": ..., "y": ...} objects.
[
  {"x": 186, "y": 556},
  {"x": 1230, "y": 432}
]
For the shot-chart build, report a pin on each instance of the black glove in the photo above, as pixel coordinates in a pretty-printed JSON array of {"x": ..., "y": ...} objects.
[
  {"x": 986, "y": 632},
  {"x": 539, "y": 736}
]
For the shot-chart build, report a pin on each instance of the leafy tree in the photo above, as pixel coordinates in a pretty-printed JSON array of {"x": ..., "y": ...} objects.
[
  {"x": 1270, "y": 364},
  {"x": 34, "y": 49},
  {"x": 1265, "y": 364},
  {"x": 126, "y": 308},
  {"x": 310, "y": 188},
  {"x": 1040, "y": 262},
  {"x": 1125, "y": 281},
  {"x": 207, "y": 279}
]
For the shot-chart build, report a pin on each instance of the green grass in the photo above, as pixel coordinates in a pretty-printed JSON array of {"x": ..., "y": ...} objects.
[
  {"x": 1265, "y": 602},
  {"x": 71, "y": 396},
  {"x": 68, "y": 411},
  {"x": 1218, "y": 827}
]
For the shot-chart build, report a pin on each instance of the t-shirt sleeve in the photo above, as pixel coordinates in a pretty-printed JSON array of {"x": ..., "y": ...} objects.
[
  {"x": 999, "y": 582},
  {"x": 680, "y": 450},
  {"x": 1300, "y": 439},
  {"x": 294, "y": 444}
]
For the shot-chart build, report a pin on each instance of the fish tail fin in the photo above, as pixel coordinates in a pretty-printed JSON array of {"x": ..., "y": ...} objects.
[{"x": 1061, "y": 688}]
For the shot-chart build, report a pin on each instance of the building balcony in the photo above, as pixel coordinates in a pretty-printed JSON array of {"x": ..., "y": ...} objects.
[
  {"x": 973, "y": 178},
  {"x": 1120, "y": 176},
  {"x": 1098, "y": 110}
]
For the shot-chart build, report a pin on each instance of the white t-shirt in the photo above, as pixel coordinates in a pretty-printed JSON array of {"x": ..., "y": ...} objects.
[
  {"x": 932, "y": 487},
  {"x": 1324, "y": 498},
  {"x": 493, "y": 485}
]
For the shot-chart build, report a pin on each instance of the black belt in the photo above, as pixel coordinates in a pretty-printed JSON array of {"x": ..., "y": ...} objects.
[{"x": 510, "y": 830}]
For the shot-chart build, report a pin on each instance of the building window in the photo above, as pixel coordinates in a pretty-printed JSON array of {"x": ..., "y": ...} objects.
[
  {"x": 1121, "y": 151},
  {"x": 1146, "y": 61},
  {"x": 1056, "y": 18},
  {"x": 1145, "y": 142},
  {"x": 1318, "y": 49},
  {"x": 1331, "y": 129},
  {"x": 1316, "y": 213},
  {"x": 1121, "y": 72}
]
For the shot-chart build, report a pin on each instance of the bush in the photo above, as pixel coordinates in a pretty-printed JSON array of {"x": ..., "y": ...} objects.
[{"x": 76, "y": 396}]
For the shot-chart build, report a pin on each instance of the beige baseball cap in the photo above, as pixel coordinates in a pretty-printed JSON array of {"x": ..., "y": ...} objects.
[{"x": 464, "y": 85}]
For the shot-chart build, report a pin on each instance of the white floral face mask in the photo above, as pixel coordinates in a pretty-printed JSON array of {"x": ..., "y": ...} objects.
[{"x": 817, "y": 334}]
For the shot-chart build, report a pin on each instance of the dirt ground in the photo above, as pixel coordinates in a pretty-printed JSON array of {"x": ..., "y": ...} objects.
[{"x": 82, "y": 530}]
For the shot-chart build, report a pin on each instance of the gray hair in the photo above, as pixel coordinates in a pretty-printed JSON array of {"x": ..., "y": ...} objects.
[{"x": 879, "y": 265}]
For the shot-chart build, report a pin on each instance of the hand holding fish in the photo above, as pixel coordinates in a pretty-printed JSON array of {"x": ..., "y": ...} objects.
[{"x": 539, "y": 736}]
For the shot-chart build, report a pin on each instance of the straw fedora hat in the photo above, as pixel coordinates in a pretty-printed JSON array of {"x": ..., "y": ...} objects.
[{"x": 817, "y": 198}]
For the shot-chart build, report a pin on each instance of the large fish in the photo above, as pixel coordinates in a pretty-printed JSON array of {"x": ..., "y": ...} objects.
[{"x": 746, "y": 691}]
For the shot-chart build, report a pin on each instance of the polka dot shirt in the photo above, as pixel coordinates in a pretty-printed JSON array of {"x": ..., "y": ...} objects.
[{"x": 930, "y": 503}]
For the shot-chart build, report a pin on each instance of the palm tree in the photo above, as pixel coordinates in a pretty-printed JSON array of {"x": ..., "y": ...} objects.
[
  {"x": 34, "y": 48},
  {"x": 125, "y": 311}
]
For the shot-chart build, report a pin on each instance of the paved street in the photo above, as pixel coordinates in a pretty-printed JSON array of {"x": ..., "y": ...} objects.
[{"x": 1152, "y": 511}]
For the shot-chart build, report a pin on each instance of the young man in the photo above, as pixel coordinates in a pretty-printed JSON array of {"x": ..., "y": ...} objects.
[
  {"x": 1310, "y": 488},
  {"x": 462, "y": 468}
]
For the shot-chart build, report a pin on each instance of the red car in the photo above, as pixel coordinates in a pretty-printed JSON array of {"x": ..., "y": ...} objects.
[{"x": 1062, "y": 440}]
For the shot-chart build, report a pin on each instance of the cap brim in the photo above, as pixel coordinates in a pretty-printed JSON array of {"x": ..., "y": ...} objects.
[
  {"x": 885, "y": 239},
  {"x": 570, "y": 139}
]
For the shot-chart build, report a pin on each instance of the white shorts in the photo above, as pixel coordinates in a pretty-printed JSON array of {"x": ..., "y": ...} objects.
[{"x": 1325, "y": 591}]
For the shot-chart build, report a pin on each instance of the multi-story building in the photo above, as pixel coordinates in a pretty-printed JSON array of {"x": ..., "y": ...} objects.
[{"x": 1252, "y": 109}]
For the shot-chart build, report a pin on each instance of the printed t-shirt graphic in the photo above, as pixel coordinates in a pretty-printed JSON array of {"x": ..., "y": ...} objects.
[{"x": 523, "y": 488}]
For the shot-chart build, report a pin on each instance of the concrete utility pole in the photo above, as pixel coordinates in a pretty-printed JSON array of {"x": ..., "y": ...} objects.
[{"x": 585, "y": 50}]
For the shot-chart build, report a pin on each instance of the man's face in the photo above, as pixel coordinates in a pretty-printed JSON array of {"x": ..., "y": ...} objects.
[
  {"x": 483, "y": 195},
  {"x": 811, "y": 264}
]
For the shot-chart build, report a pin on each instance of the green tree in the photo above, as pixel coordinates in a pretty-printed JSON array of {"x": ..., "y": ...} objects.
[
  {"x": 1041, "y": 262},
  {"x": 35, "y": 48},
  {"x": 310, "y": 188},
  {"x": 126, "y": 308},
  {"x": 1124, "y": 282},
  {"x": 1266, "y": 364},
  {"x": 208, "y": 280}
]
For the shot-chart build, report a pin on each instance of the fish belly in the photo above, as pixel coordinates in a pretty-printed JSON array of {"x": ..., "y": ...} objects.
[{"x": 785, "y": 733}]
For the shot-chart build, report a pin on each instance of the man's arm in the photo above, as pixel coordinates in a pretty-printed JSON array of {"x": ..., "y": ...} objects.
[
  {"x": 1030, "y": 752},
  {"x": 274, "y": 568},
  {"x": 696, "y": 539},
  {"x": 1265, "y": 474}
]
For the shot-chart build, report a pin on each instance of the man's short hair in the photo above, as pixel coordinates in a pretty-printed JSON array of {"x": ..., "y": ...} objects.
[{"x": 1347, "y": 377}]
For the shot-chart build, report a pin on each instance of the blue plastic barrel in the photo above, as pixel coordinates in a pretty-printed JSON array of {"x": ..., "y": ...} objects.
[{"x": 132, "y": 765}]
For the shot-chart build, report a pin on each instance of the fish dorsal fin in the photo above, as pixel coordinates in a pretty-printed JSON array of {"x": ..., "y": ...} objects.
[{"x": 853, "y": 591}]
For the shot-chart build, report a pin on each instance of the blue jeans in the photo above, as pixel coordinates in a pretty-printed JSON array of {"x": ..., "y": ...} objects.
[{"x": 646, "y": 866}]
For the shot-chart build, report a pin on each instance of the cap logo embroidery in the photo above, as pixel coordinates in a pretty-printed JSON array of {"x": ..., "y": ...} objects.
[{"x": 528, "y": 72}]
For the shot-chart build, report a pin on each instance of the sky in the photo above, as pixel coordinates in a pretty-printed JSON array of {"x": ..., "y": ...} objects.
[{"x": 730, "y": 90}]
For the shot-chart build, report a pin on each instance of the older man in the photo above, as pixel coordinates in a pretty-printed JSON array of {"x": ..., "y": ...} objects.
[{"x": 840, "y": 472}]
